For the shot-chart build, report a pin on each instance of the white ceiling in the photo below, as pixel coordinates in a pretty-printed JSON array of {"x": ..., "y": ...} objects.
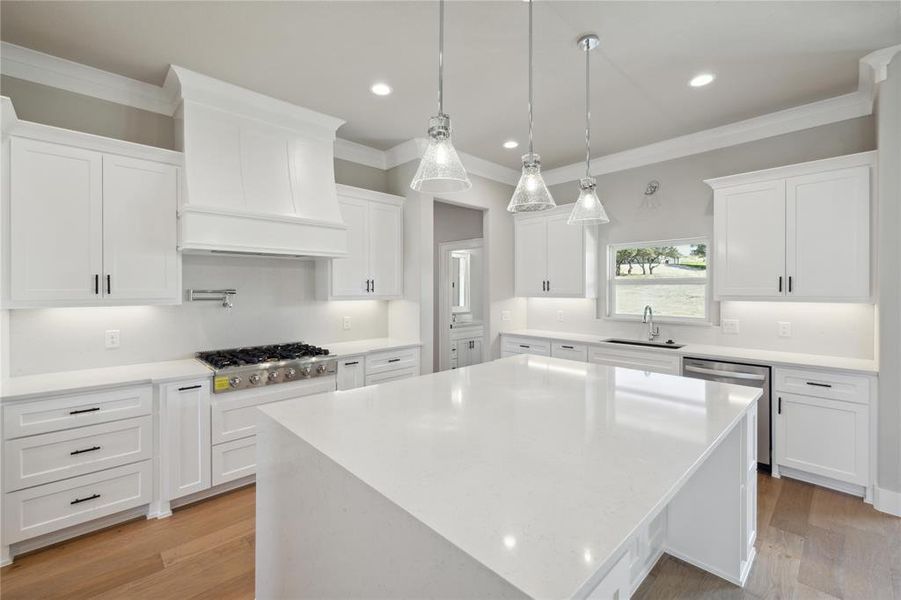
[{"x": 324, "y": 55}]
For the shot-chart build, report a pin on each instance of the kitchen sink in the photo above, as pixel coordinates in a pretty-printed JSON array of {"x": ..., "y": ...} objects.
[{"x": 669, "y": 345}]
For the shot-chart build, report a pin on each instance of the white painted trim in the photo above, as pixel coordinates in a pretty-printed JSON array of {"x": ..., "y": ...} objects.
[
  {"x": 412, "y": 150},
  {"x": 887, "y": 501},
  {"x": 445, "y": 333},
  {"x": 37, "y": 67},
  {"x": 8, "y": 117},
  {"x": 404, "y": 152},
  {"x": 836, "y": 109},
  {"x": 368, "y": 195},
  {"x": 878, "y": 64},
  {"x": 860, "y": 159},
  {"x": 360, "y": 154}
]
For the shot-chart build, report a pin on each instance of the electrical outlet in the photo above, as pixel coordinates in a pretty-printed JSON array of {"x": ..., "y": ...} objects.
[
  {"x": 346, "y": 322},
  {"x": 505, "y": 315},
  {"x": 560, "y": 315},
  {"x": 112, "y": 338},
  {"x": 730, "y": 326},
  {"x": 785, "y": 329}
]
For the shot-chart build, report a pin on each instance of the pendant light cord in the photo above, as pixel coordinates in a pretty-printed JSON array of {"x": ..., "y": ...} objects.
[
  {"x": 441, "y": 57},
  {"x": 530, "y": 76},
  {"x": 587, "y": 111}
]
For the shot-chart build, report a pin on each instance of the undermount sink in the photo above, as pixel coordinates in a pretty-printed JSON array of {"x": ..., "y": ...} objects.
[{"x": 669, "y": 345}]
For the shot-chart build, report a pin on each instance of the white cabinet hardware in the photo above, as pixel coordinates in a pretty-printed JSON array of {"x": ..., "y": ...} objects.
[
  {"x": 373, "y": 268},
  {"x": 114, "y": 216},
  {"x": 800, "y": 232},
  {"x": 552, "y": 258}
]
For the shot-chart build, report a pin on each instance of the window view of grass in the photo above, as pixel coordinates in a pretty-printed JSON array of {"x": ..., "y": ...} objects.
[{"x": 657, "y": 275}]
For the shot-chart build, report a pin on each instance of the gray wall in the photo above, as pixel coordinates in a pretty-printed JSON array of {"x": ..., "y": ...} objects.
[{"x": 889, "y": 184}]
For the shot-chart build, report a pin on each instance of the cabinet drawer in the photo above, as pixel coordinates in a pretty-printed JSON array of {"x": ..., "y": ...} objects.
[
  {"x": 45, "y": 508},
  {"x": 642, "y": 360},
  {"x": 53, "y": 456},
  {"x": 616, "y": 582},
  {"x": 65, "y": 412},
  {"x": 569, "y": 351},
  {"x": 234, "y": 460},
  {"x": 387, "y": 376},
  {"x": 524, "y": 345},
  {"x": 823, "y": 384},
  {"x": 234, "y": 415},
  {"x": 392, "y": 360}
]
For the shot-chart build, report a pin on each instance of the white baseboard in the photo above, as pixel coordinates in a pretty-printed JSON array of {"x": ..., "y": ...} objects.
[
  {"x": 826, "y": 482},
  {"x": 887, "y": 501}
]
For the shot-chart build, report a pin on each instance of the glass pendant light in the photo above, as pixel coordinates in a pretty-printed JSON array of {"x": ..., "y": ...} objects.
[
  {"x": 588, "y": 208},
  {"x": 440, "y": 170},
  {"x": 531, "y": 194}
]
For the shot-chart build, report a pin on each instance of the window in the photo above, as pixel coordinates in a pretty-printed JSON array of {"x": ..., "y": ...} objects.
[{"x": 669, "y": 275}]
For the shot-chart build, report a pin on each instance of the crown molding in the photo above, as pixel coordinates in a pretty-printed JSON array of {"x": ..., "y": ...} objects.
[
  {"x": 877, "y": 63},
  {"x": 412, "y": 150},
  {"x": 37, "y": 67},
  {"x": 8, "y": 117},
  {"x": 360, "y": 154}
]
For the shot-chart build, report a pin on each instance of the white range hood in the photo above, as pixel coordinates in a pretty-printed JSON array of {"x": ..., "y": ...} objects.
[{"x": 259, "y": 172}]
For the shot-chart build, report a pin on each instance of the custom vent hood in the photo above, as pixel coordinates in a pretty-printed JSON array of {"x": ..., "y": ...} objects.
[{"x": 259, "y": 172}]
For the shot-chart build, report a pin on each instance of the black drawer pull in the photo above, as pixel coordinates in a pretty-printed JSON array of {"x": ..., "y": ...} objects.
[
  {"x": 92, "y": 449},
  {"x": 97, "y": 283},
  {"x": 814, "y": 383},
  {"x": 84, "y": 410},
  {"x": 567, "y": 347},
  {"x": 524, "y": 346},
  {"x": 190, "y": 387},
  {"x": 789, "y": 283},
  {"x": 780, "y": 405},
  {"x": 391, "y": 360},
  {"x": 109, "y": 289},
  {"x": 780, "y": 283},
  {"x": 348, "y": 364},
  {"x": 85, "y": 499}
]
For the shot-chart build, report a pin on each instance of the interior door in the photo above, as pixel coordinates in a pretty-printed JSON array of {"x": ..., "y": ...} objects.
[
  {"x": 56, "y": 204},
  {"x": 530, "y": 256},
  {"x": 385, "y": 249},
  {"x": 749, "y": 225},
  {"x": 828, "y": 225},
  {"x": 349, "y": 274},
  {"x": 566, "y": 257},
  {"x": 140, "y": 259}
]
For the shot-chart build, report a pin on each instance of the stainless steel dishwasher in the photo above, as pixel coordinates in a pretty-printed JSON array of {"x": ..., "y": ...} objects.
[{"x": 750, "y": 375}]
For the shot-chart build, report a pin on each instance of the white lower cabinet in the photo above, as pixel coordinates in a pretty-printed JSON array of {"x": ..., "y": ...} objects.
[
  {"x": 351, "y": 372},
  {"x": 512, "y": 345},
  {"x": 466, "y": 346},
  {"x": 391, "y": 365},
  {"x": 185, "y": 437},
  {"x": 655, "y": 361},
  {"x": 569, "y": 351},
  {"x": 234, "y": 460}
]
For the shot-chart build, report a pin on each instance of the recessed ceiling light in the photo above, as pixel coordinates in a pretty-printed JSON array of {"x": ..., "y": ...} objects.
[
  {"x": 701, "y": 80},
  {"x": 511, "y": 144},
  {"x": 380, "y": 89}
]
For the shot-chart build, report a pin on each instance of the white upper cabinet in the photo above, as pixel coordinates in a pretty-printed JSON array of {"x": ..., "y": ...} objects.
[
  {"x": 89, "y": 228},
  {"x": 800, "y": 232},
  {"x": 552, "y": 258},
  {"x": 373, "y": 267}
]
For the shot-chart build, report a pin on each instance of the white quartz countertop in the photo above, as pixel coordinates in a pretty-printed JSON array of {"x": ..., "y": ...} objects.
[
  {"x": 28, "y": 386},
  {"x": 366, "y": 346},
  {"x": 539, "y": 468},
  {"x": 729, "y": 353}
]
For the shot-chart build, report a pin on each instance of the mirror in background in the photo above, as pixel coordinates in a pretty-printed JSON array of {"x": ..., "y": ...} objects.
[{"x": 465, "y": 276}]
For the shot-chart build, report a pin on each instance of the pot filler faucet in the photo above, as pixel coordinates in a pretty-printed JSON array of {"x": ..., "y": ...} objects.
[{"x": 653, "y": 330}]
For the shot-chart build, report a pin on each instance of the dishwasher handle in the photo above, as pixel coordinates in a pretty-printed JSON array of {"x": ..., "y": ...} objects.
[{"x": 727, "y": 374}]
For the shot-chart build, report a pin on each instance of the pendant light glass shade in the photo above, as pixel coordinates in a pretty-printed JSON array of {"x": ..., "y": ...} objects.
[
  {"x": 440, "y": 170},
  {"x": 588, "y": 207},
  {"x": 531, "y": 193}
]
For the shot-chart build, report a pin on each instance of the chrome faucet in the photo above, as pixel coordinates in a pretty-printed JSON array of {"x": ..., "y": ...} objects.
[{"x": 653, "y": 330}]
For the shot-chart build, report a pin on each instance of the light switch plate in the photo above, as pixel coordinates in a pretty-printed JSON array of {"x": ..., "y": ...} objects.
[
  {"x": 346, "y": 322},
  {"x": 560, "y": 315},
  {"x": 730, "y": 326},
  {"x": 785, "y": 329},
  {"x": 112, "y": 338},
  {"x": 505, "y": 315}
]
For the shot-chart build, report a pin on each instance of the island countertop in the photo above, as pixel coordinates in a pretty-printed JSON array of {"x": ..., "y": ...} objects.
[{"x": 538, "y": 468}]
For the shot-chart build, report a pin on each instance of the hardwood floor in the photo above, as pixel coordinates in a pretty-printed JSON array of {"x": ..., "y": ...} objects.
[{"x": 812, "y": 544}]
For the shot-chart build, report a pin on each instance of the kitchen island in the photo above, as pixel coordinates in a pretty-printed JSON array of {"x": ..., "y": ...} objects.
[{"x": 524, "y": 477}]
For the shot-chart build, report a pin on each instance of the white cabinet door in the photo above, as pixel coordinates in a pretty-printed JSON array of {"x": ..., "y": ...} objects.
[
  {"x": 469, "y": 352},
  {"x": 565, "y": 257},
  {"x": 475, "y": 351},
  {"x": 530, "y": 257},
  {"x": 828, "y": 224},
  {"x": 823, "y": 437},
  {"x": 749, "y": 228},
  {"x": 140, "y": 260},
  {"x": 187, "y": 437},
  {"x": 349, "y": 275},
  {"x": 351, "y": 372},
  {"x": 56, "y": 204},
  {"x": 385, "y": 249}
]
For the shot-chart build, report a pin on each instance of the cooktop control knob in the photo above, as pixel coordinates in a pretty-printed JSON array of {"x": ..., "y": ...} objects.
[
  {"x": 254, "y": 379},
  {"x": 305, "y": 371},
  {"x": 273, "y": 375},
  {"x": 290, "y": 373},
  {"x": 320, "y": 369},
  {"x": 234, "y": 382}
]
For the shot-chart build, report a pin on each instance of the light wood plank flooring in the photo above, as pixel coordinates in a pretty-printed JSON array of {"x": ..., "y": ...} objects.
[{"x": 812, "y": 544}]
